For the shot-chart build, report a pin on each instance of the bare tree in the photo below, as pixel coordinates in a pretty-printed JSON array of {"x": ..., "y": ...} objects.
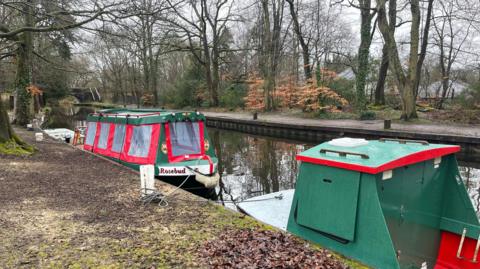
[
  {"x": 271, "y": 46},
  {"x": 307, "y": 69},
  {"x": 383, "y": 70},
  {"x": 202, "y": 33},
  {"x": 327, "y": 33},
  {"x": 451, "y": 32},
  {"x": 39, "y": 17},
  {"x": 408, "y": 81}
]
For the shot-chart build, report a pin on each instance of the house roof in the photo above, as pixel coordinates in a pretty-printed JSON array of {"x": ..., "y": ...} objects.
[
  {"x": 347, "y": 74},
  {"x": 457, "y": 86}
]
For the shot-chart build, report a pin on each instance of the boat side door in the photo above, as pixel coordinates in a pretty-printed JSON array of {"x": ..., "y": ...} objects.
[{"x": 328, "y": 199}]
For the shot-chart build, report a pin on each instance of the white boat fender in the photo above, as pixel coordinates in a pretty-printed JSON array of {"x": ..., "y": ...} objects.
[{"x": 207, "y": 181}]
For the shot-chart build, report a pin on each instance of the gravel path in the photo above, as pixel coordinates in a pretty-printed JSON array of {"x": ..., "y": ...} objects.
[{"x": 64, "y": 208}]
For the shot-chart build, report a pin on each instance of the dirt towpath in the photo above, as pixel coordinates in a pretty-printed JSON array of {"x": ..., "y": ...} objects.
[
  {"x": 461, "y": 130},
  {"x": 64, "y": 208}
]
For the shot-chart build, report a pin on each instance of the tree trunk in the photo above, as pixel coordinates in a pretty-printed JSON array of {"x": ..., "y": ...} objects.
[
  {"x": 307, "y": 69},
  {"x": 268, "y": 84},
  {"x": 409, "y": 93},
  {"x": 6, "y": 132},
  {"x": 406, "y": 83},
  {"x": 382, "y": 74},
  {"x": 208, "y": 71},
  {"x": 215, "y": 81},
  {"x": 215, "y": 66},
  {"x": 24, "y": 74},
  {"x": 423, "y": 49},
  {"x": 212, "y": 84},
  {"x": 409, "y": 104},
  {"x": 271, "y": 48},
  {"x": 8, "y": 136},
  {"x": 363, "y": 53},
  {"x": 445, "y": 77}
]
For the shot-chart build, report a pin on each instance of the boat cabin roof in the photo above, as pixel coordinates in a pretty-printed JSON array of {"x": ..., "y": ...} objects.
[
  {"x": 377, "y": 155},
  {"x": 144, "y": 116}
]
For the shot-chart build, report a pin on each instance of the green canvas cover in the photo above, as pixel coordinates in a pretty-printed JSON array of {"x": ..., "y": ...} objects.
[{"x": 144, "y": 116}]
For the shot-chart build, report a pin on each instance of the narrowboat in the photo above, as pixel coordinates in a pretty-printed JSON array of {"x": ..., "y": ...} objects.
[
  {"x": 176, "y": 143},
  {"x": 387, "y": 203}
]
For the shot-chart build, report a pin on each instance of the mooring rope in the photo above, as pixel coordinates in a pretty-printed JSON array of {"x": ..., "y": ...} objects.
[{"x": 155, "y": 195}]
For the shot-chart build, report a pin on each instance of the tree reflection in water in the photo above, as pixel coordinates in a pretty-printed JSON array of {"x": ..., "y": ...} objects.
[
  {"x": 254, "y": 165},
  {"x": 471, "y": 178}
]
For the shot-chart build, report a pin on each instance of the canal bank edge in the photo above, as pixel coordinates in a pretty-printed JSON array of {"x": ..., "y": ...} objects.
[{"x": 470, "y": 145}]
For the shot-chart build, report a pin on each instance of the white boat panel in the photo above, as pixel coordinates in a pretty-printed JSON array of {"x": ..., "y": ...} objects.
[{"x": 272, "y": 208}]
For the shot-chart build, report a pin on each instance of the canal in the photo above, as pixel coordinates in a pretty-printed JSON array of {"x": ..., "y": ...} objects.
[{"x": 252, "y": 165}]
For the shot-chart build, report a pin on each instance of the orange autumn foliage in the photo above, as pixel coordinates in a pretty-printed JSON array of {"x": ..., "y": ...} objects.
[
  {"x": 316, "y": 98},
  {"x": 327, "y": 76},
  {"x": 34, "y": 90},
  {"x": 308, "y": 97},
  {"x": 255, "y": 97}
]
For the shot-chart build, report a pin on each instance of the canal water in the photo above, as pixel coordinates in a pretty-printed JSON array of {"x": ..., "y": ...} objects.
[{"x": 252, "y": 165}]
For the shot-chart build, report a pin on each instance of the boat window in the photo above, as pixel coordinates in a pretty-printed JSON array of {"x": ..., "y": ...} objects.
[
  {"x": 103, "y": 137},
  {"x": 91, "y": 132},
  {"x": 118, "y": 138},
  {"x": 140, "y": 143},
  {"x": 185, "y": 138}
]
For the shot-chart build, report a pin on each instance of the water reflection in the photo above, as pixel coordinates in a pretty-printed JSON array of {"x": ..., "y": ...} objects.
[
  {"x": 254, "y": 165},
  {"x": 471, "y": 178},
  {"x": 66, "y": 116}
]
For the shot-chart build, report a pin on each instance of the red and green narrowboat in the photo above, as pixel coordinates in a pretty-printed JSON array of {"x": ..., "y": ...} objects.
[
  {"x": 388, "y": 203},
  {"x": 176, "y": 143}
]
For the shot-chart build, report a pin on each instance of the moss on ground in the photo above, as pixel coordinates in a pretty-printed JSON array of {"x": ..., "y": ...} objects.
[{"x": 11, "y": 147}]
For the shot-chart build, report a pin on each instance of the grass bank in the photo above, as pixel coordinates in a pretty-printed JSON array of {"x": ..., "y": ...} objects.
[{"x": 63, "y": 208}]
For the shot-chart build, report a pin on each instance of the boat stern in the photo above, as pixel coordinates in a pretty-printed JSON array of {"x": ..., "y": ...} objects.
[{"x": 203, "y": 171}]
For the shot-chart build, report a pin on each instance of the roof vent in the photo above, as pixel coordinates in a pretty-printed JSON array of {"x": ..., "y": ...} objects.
[{"x": 348, "y": 142}]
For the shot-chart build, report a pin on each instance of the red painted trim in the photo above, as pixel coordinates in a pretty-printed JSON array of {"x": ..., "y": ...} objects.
[
  {"x": 447, "y": 253},
  {"x": 181, "y": 158},
  {"x": 152, "y": 151},
  {"x": 126, "y": 143},
  {"x": 210, "y": 162},
  {"x": 406, "y": 160}
]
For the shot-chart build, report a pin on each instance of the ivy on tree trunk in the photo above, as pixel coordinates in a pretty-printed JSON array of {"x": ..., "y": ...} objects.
[
  {"x": 363, "y": 53},
  {"x": 23, "y": 76}
]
